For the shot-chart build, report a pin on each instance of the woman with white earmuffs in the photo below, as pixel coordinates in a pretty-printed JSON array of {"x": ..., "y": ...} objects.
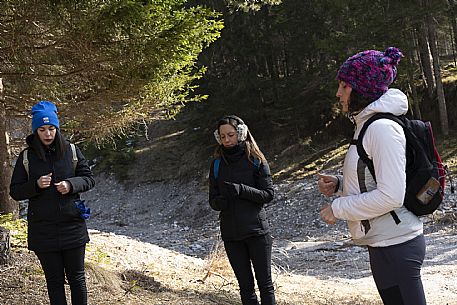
[{"x": 240, "y": 184}]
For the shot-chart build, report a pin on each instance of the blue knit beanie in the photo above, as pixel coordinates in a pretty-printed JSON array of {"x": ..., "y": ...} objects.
[{"x": 44, "y": 113}]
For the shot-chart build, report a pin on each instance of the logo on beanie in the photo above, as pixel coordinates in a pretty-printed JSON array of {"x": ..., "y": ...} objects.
[{"x": 44, "y": 113}]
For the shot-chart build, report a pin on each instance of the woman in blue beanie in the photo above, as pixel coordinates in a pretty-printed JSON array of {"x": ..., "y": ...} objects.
[
  {"x": 372, "y": 201},
  {"x": 240, "y": 184},
  {"x": 51, "y": 173}
]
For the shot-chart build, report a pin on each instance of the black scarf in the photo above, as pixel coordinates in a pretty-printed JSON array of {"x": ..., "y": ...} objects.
[{"x": 235, "y": 153}]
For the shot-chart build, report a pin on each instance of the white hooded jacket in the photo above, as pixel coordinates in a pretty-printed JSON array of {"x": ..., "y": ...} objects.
[{"x": 366, "y": 204}]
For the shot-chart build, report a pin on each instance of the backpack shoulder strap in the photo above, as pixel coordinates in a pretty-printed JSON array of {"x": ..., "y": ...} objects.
[
  {"x": 358, "y": 142},
  {"x": 256, "y": 163},
  {"x": 363, "y": 154},
  {"x": 25, "y": 161},
  {"x": 216, "y": 164},
  {"x": 74, "y": 156},
  {"x": 74, "y": 160}
]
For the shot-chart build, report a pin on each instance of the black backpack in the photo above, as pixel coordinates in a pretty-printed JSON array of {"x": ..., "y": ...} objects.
[{"x": 425, "y": 173}]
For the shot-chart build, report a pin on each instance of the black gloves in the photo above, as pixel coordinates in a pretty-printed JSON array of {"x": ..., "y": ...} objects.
[
  {"x": 239, "y": 190},
  {"x": 219, "y": 203},
  {"x": 233, "y": 189}
]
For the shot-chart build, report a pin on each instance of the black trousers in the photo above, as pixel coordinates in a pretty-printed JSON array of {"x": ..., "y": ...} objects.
[
  {"x": 396, "y": 271},
  {"x": 57, "y": 265},
  {"x": 255, "y": 250}
]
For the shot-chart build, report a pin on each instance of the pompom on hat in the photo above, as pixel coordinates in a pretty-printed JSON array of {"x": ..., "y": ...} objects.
[
  {"x": 44, "y": 113},
  {"x": 371, "y": 72}
]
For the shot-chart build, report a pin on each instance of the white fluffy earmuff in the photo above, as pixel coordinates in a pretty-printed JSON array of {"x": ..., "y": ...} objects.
[
  {"x": 217, "y": 137},
  {"x": 241, "y": 130}
]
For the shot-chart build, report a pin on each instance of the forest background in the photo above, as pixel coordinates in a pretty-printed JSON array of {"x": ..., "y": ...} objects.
[
  {"x": 110, "y": 65},
  {"x": 113, "y": 67}
]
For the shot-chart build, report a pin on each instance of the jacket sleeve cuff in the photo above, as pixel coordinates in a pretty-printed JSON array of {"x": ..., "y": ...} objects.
[
  {"x": 339, "y": 185},
  {"x": 335, "y": 210}
]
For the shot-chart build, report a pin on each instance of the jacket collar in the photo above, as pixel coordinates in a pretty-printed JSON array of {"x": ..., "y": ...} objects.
[{"x": 393, "y": 101}]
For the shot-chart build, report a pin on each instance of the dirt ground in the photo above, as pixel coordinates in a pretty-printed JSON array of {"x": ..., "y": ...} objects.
[{"x": 158, "y": 244}]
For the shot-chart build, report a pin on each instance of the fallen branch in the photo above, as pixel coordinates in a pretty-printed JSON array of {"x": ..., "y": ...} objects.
[{"x": 213, "y": 273}]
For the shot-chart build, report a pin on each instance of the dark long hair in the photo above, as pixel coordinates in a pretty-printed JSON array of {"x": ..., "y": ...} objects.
[
  {"x": 357, "y": 102},
  {"x": 59, "y": 144}
]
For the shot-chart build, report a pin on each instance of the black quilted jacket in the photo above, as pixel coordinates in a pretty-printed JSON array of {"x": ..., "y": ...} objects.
[
  {"x": 53, "y": 220},
  {"x": 243, "y": 215}
]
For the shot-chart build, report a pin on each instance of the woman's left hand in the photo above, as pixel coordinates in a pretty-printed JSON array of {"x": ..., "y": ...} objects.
[
  {"x": 233, "y": 189},
  {"x": 327, "y": 215},
  {"x": 63, "y": 187}
]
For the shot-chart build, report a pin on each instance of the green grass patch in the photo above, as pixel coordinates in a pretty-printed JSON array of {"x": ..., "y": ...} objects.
[
  {"x": 97, "y": 255},
  {"x": 18, "y": 230}
]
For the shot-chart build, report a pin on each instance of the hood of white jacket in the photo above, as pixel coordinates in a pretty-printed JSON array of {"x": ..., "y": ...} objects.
[{"x": 393, "y": 101}]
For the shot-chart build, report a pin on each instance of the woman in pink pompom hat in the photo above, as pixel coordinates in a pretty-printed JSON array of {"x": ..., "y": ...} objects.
[{"x": 372, "y": 205}]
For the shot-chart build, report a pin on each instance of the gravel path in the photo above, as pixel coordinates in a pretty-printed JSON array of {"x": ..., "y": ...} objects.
[{"x": 176, "y": 216}]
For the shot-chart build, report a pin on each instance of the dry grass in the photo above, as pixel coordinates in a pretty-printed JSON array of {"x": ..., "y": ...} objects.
[
  {"x": 305, "y": 160},
  {"x": 291, "y": 289},
  {"x": 217, "y": 264},
  {"x": 168, "y": 277}
]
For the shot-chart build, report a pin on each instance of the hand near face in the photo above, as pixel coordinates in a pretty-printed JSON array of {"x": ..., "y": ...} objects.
[
  {"x": 327, "y": 184},
  {"x": 44, "y": 181},
  {"x": 327, "y": 215},
  {"x": 63, "y": 187}
]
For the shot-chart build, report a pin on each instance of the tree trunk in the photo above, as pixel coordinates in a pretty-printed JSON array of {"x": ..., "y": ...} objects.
[
  {"x": 5, "y": 246},
  {"x": 452, "y": 45},
  {"x": 453, "y": 20},
  {"x": 437, "y": 70},
  {"x": 6, "y": 204},
  {"x": 414, "y": 101},
  {"x": 426, "y": 61}
]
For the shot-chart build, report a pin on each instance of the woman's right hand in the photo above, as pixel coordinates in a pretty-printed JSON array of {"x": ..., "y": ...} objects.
[
  {"x": 327, "y": 184},
  {"x": 219, "y": 203},
  {"x": 44, "y": 181},
  {"x": 327, "y": 215}
]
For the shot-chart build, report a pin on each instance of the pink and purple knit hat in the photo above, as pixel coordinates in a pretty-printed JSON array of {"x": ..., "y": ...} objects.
[{"x": 371, "y": 72}]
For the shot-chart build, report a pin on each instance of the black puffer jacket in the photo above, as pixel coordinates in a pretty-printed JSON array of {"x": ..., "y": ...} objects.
[
  {"x": 241, "y": 215},
  {"x": 53, "y": 220}
]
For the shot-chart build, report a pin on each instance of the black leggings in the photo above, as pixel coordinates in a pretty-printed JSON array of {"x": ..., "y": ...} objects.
[
  {"x": 396, "y": 271},
  {"x": 58, "y": 264},
  {"x": 257, "y": 250}
]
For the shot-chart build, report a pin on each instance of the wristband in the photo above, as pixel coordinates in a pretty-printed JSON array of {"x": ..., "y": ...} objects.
[{"x": 337, "y": 186}]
